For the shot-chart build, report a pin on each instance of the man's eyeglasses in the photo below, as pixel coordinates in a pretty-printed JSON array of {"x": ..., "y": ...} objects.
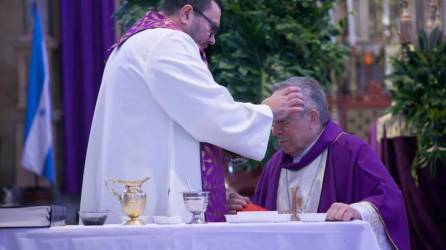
[{"x": 214, "y": 25}]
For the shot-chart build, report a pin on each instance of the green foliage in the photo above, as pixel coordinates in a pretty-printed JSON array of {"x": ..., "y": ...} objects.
[
  {"x": 265, "y": 41},
  {"x": 131, "y": 10},
  {"x": 419, "y": 94}
]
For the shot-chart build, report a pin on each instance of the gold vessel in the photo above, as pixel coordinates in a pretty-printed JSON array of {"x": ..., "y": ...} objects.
[{"x": 133, "y": 199}]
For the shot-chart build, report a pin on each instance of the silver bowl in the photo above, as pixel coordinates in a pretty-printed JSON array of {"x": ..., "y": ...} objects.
[{"x": 196, "y": 203}]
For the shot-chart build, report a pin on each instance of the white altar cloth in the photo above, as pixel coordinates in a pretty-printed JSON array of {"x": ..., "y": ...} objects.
[{"x": 355, "y": 235}]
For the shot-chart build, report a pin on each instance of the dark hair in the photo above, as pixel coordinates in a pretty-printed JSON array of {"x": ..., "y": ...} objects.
[
  {"x": 314, "y": 96},
  {"x": 170, "y": 7}
]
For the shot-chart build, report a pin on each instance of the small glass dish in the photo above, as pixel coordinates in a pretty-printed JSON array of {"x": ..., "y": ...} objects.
[{"x": 93, "y": 218}]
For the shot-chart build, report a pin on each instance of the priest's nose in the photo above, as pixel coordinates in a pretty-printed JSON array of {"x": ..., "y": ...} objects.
[{"x": 211, "y": 40}]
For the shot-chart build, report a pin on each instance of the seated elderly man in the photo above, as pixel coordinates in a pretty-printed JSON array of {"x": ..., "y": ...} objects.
[{"x": 328, "y": 170}]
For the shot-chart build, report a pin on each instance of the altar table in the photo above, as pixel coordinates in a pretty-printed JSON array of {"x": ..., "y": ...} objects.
[{"x": 355, "y": 235}]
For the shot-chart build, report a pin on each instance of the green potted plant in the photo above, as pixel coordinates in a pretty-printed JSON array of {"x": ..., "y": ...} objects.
[{"x": 419, "y": 94}]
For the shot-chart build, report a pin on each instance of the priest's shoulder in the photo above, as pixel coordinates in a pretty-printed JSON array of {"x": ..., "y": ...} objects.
[
  {"x": 274, "y": 161},
  {"x": 176, "y": 38},
  {"x": 150, "y": 39},
  {"x": 349, "y": 142}
]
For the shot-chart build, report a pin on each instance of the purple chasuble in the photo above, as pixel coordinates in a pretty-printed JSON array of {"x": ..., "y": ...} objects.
[
  {"x": 211, "y": 157},
  {"x": 353, "y": 173}
]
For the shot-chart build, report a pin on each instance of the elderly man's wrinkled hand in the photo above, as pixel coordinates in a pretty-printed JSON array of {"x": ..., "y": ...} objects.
[
  {"x": 236, "y": 202},
  {"x": 342, "y": 212},
  {"x": 285, "y": 101}
]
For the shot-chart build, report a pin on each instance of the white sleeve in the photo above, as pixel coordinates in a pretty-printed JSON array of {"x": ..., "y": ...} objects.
[
  {"x": 184, "y": 88},
  {"x": 370, "y": 215}
]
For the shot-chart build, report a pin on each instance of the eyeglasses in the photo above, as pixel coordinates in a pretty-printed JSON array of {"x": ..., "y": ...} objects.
[{"x": 214, "y": 25}]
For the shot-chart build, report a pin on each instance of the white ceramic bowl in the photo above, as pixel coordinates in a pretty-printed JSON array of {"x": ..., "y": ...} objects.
[{"x": 167, "y": 220}]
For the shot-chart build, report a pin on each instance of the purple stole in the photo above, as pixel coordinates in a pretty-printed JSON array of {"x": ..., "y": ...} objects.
[{"x": 211, "y": 157}]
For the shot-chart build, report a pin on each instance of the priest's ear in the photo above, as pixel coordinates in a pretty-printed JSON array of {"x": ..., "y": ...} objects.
[
  {"x": 185, "y": 15},
  {"x": 314, "y": 117}
]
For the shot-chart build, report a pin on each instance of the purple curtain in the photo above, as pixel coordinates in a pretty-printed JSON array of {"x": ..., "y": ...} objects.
[
  {"x": 87, "y": 31},
  {"x": 425, "y": 204}
]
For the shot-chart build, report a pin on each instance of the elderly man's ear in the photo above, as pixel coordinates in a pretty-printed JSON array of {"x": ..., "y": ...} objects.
[{"x": 314, "y": 117}]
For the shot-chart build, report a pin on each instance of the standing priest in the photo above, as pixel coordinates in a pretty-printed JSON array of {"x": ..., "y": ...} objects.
[{"x": 160, "y": 114}]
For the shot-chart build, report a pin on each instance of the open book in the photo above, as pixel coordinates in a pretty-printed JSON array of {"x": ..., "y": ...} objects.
[{"x": 33, "y": 216}]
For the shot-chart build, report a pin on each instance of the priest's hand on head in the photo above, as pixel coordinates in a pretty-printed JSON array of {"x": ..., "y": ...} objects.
[
  {"x": 236, "y": 202},
  {"x": 285, "y": 101},
  {"x": 342, "y": 212}
]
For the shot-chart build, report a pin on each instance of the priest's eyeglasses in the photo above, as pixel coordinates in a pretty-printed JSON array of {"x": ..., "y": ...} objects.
[{"x": 214, "y": 25}]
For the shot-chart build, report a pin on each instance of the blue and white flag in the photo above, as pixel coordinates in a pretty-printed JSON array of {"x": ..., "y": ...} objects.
[{"x": 38, "y": 143}]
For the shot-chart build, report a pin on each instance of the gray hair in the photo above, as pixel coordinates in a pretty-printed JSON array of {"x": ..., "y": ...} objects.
[{"x": 313, "y": 95}]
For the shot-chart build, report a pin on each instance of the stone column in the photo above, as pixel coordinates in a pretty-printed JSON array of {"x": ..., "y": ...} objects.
[
  {"x": 363, "y": 18},
  {"x": 405, "y": 22}
]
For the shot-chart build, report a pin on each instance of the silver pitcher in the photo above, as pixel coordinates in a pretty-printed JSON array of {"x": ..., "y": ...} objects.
[{"x": 133, "y": 199}]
